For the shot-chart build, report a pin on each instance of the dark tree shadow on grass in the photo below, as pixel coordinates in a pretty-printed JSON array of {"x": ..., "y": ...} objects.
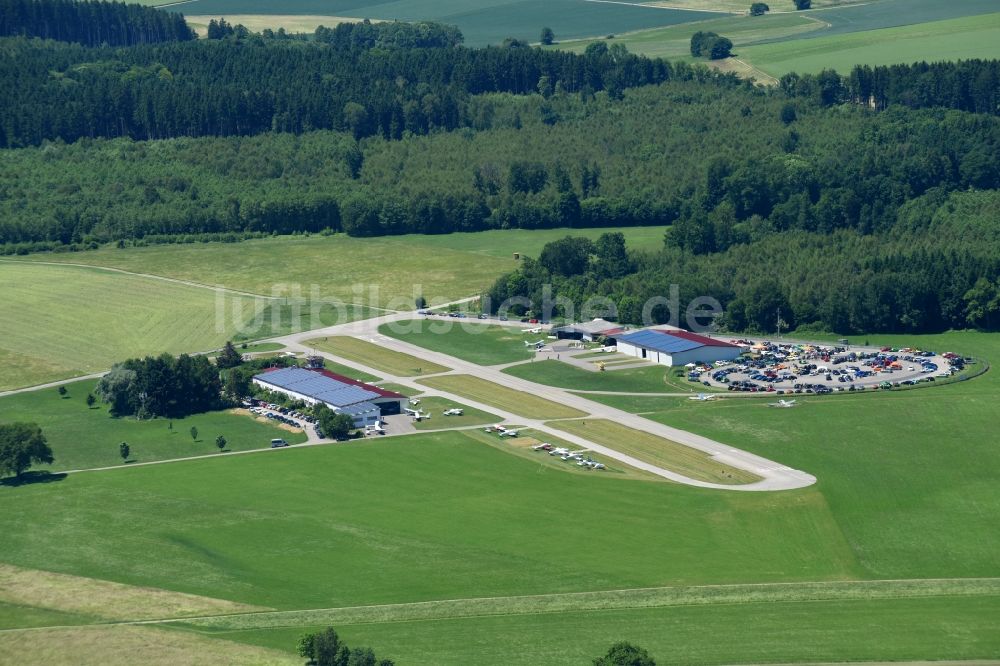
[{"x": 30, "y": 478}]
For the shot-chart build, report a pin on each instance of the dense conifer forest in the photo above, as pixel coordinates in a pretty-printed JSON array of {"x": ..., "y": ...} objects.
[
  {"x": 91, "y": 22},
  {"x": 834, "y": 194}
]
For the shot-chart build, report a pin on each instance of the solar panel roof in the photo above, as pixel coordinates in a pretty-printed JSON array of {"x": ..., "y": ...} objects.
[
  {"x": 317, "y": 386},
  {"x": 660, "y": 341}
]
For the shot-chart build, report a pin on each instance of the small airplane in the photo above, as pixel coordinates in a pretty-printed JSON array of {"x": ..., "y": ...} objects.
[
  {"x": 702, "y": 397},
  {"x": 559, "y": 451},
  {"x": 414, "y": 401},
  {"x": 508, "y": 433},
  {"x": 417, "y": 414},
  {"x": 782, "y": 403},
  {"x": 536, "y": 345},
  {"x": 375, "y": 429},
  {"x": 454, "y": 411},
  {"x": 544, "y": 446},
  {"x": 534, "y": 331}
]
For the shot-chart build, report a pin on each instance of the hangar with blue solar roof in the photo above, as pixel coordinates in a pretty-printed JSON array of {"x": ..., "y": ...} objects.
[
  {"x": 676, "y": 347},
  {"x": 364, "y": 403}
]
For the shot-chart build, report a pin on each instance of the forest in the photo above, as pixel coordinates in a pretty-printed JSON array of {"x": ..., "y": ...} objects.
[
  {"x": 91, "y": 22},
  {"x": 829, "y": 192}
]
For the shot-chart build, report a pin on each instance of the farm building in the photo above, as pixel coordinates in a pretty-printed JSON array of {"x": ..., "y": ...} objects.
[
  {"x": 676, "y": 347},
  {"x": 588, "y": 331},
  {"x": 365, "y": 403}
]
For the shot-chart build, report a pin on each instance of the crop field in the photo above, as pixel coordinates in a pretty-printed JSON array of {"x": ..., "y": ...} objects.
[
  {"x": 953, "y": 39},
  {"x": 477, "y": 343},
  {"x": 382, "y": 359},
  {"x": 84, "y": 437},
  {"x": 481, "y": 21},
  {"x": 501, "y": 397},
  {"x": 657, "y": 451}
]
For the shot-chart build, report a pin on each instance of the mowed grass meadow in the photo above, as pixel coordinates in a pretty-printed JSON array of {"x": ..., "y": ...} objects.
[{"x": 474, "y": 342}]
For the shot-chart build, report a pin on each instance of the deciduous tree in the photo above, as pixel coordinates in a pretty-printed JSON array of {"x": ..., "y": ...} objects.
[{"x": 21, "y": 446}]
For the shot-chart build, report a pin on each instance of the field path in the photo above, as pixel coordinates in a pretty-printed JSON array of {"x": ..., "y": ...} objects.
[{"x": 774, "y": 476}]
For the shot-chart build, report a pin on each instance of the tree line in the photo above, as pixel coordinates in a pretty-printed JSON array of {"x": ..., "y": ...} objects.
[
  {"x": 164, "y": 386},
  {"x": 938, "y": 268},
  {"x": 91, "y": 22}
]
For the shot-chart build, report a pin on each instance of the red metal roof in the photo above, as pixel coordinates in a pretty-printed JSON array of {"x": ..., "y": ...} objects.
[
  {"x": 355, "y": 382},
  {"x": 694, "y": 337}
]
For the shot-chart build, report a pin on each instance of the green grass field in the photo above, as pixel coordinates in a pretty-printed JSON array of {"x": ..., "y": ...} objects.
[
  {"x": 501, "y": 397},
  {"x": 953, "y": 39},
  {"x": 344, "y": 269},
  {"x": 657, "y": 451},
  {"x": 556, "y": 373},
  {"x": 271, "y": 536},
  {"x": 83, "y": 437},
  {"x": 478, "y": 343},
  {"x": 74, "y": 321},
  {"x": 377, "y": 357}
]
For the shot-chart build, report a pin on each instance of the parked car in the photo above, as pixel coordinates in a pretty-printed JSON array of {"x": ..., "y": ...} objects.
[{"x": 278, "y": 443}]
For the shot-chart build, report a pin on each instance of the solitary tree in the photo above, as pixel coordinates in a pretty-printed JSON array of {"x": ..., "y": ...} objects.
[
  {"x": 194, "y": 433},
  {"x": 625, "y": 654},
  {"x": 62, "y": 391},
  {"x": 91, "y": 400},
  {"x": 759, "y": 9},
  {"x": 220, "y": 442},
  {"x": 229, "y": 357},
  {"x": 124, "y": 450},
  {"x": 548, "y": 37},
  {"x": 21, "y": 446}
]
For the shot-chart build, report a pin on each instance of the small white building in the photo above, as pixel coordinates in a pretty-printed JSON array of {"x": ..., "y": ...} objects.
[
  {"x": 364, "y": 403},
  {"x": 676, "y": 347}
]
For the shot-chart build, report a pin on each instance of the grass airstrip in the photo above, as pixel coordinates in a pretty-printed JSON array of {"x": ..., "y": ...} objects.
[
  {"x": 524, "y": 404},
  {"x": 478, "y": 343},
  {"x": 375, "y": 356}
]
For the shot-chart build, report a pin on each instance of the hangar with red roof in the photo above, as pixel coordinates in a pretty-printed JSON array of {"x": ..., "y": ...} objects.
[{"x": 676, "y": 347}]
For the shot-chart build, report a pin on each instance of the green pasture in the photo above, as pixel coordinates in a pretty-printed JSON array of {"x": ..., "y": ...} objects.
[
  {"x": 478, "y": 343},
  {"x": 953, "y": 39},
  {"x": 375, "y": 356},
  {"x": 884, "y": 630},
  {"x": 84, "y": 437},
  {"x": 263, "y": 529},
  {"x": 351, "y": 373}
]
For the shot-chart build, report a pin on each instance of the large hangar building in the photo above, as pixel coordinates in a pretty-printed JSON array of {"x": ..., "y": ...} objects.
[{"x": 676, "y": 347}]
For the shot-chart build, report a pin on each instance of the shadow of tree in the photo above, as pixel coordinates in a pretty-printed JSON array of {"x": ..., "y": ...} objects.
[{"x": 29, "y": 478}]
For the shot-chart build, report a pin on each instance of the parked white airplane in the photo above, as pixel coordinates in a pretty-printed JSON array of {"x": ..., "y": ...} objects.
[
  {"x": 454, "y": 411},
  {"x": 782, "y": 403},
  {"x": 703, "y": 397},
  {"x": 534, "y": 331},
  {"x": 508, "y": 433},
  {"x": 536, "y": 345}
]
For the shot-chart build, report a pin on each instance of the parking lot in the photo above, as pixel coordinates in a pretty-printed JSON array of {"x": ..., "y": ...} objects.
[{"x": 798, "y": 367}]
